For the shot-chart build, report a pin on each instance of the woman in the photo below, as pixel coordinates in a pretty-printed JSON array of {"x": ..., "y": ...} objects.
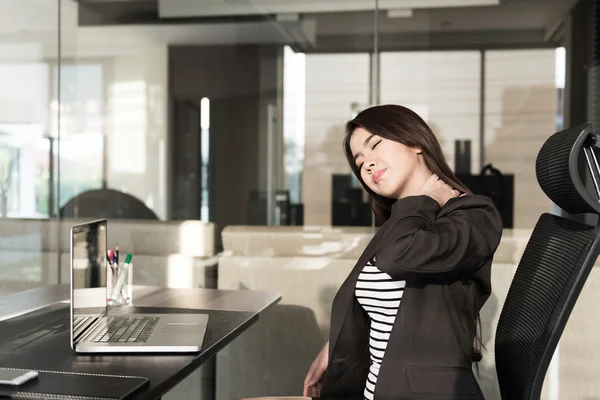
[{"x": 404, "y": 322}]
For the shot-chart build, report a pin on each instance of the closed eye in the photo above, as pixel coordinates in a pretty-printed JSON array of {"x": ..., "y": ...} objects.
[{"x": 372, "y": 148}]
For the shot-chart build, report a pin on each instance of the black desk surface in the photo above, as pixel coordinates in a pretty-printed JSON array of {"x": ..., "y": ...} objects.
[{"x": 230, "y": 313}]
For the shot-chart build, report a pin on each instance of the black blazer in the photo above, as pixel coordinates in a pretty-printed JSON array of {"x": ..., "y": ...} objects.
[{"x": 445, "y": 255}]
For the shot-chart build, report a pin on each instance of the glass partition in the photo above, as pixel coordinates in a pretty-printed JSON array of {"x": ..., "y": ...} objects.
[{"x": 29, "y": 52}]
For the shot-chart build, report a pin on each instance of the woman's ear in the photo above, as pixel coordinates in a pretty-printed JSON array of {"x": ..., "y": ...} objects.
[{"x": 417, "y": 151}]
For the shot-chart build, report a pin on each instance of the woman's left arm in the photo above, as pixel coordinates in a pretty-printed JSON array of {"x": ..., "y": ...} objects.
[{"x": 452, "y": 246}]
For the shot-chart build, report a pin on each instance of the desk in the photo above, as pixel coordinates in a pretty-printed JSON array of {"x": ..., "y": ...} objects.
[{"x": 230, "y": 313}]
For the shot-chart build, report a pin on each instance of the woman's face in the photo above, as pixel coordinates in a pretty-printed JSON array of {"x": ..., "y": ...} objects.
[{"x": 386, "y": 166}]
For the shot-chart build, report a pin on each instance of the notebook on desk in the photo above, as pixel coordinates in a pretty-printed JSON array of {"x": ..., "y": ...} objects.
[
  {"x": 74, "y": 386},
  {"x": 95, "y": 329}
]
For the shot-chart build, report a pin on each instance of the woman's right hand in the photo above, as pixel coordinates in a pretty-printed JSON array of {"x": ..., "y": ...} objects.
[{"x": 312, "y": 382}]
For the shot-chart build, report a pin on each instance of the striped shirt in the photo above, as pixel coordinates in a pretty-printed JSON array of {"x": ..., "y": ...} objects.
[{"x": 379, "y": 295}]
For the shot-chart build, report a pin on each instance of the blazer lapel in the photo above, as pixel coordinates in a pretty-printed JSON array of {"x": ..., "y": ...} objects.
[{"x": 346, "y": 291}]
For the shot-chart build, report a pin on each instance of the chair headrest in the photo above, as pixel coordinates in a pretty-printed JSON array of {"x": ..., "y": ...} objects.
[{"x": 558, "y": 169}]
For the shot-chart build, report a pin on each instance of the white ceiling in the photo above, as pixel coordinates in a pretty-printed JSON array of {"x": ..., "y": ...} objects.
[
  {"x": 29, "y": 31},
  {"x": 120, "y": 40},
  {"x": 206, "y": 8},
  {"x": 29, "y": 28}
]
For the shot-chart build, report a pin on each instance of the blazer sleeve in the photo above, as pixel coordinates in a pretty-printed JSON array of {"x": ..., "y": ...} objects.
[{"x": 455, "y": 245}]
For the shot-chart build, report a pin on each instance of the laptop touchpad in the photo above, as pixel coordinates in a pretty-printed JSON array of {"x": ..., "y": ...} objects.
[{"x": 182, "y": 327}]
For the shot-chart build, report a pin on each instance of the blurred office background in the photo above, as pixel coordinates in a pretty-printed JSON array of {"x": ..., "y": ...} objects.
[{"x": 209, "y": 133}]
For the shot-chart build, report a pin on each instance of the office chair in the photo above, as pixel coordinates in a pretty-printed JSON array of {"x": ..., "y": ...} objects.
[
  {"x": 106, "y": 203},
  {"x": 555, "y": 265}
]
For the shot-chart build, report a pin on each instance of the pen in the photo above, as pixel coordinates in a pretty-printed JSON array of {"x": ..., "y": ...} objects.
[
  {"x": 117, "y": 255},
  {"x": 122, "y": 275},
  {"x": 109, "y": 257}
]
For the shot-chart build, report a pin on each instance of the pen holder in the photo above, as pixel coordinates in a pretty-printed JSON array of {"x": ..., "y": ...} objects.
[{"x": 119, "y": 283}]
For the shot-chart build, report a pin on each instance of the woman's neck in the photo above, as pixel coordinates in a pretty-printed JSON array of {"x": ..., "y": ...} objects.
[{"x": 415, "y": 184}]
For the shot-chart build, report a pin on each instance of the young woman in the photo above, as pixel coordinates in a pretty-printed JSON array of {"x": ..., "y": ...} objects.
[{"x": 404, "y": 324}]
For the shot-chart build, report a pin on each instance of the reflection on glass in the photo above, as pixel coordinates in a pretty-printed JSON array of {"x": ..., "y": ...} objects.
[
  {"x": 9, "y": 162},
  {"x": 294, "y": 111},
  {"x": 443, "y": 87},
  {"x": 88, "y": 264},
  {"x": 336, "y": 85},
  {"x": 205, "y": 155},
  {"x": 82, "y": 158},
  {"x": 23, "y": 123},
  {"x": 521, "y": 109}
]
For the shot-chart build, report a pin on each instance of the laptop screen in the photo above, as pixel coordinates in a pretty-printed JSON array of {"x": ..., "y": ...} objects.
[{"x": 88, "y": 268}]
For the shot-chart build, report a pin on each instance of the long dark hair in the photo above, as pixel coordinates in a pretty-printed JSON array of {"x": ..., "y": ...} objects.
[{"x": 400, "y": 124}]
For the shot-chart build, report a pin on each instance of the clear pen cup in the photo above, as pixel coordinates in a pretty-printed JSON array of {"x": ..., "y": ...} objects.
[{"x": 119, "y": 284}]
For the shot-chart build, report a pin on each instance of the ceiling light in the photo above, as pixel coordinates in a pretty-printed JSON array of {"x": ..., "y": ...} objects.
[{"x": 400, "y": 13}]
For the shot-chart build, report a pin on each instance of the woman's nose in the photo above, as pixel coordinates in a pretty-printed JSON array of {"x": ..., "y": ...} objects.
[{"x": 370, "y": 165}]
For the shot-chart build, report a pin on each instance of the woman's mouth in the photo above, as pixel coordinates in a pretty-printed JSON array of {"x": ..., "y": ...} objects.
[{"x": 377, "y": 175}]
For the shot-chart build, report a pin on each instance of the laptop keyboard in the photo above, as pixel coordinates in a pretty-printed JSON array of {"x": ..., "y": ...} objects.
[{"x": 127, "y": 329}]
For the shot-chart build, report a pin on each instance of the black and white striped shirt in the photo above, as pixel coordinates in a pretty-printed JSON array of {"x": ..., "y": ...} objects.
[{"x": 380, "y": 297}]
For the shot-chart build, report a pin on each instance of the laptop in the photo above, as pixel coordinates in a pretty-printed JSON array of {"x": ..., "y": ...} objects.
[{"x": 99, "y": 328}]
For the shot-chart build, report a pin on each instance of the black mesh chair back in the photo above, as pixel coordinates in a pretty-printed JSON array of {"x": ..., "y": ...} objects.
[
  {"x": 554, "y": 267},
  {"x": 106, "y": 203}
]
